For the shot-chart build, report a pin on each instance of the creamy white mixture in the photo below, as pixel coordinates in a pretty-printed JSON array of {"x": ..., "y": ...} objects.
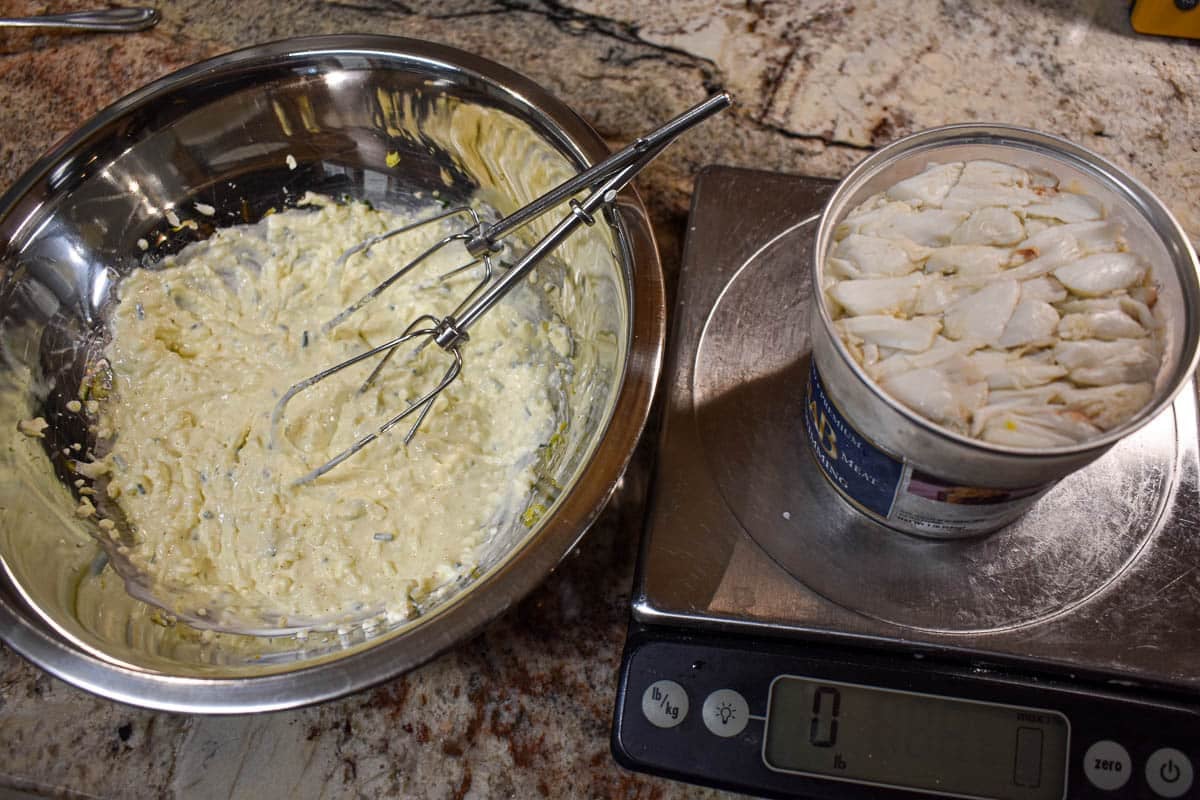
[
  {"x": 203, "y": 347},
  {"x": 993, "y": 301}
]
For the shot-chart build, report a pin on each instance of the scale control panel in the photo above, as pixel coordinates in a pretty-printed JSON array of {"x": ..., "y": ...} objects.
[{"x": 784, "y": 719}]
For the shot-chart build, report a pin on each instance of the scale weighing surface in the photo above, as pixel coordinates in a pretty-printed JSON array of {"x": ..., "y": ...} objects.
[{"x": 785, "y": 645}]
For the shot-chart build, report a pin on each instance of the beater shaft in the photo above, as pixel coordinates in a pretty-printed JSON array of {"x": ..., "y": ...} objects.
[
  {"x": 485, "y": 240},
  {"x": 453, "y": 329}
]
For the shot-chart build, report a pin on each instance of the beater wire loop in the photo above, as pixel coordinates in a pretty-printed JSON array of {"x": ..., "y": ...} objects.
[{"x": 603, "y": 182}]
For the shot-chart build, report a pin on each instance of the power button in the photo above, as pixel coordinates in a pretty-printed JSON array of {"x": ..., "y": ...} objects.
[{"x": 1169, "y": 772}]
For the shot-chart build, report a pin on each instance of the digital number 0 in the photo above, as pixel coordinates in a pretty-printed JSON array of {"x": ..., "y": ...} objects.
[{"x": 827, "y": 702}]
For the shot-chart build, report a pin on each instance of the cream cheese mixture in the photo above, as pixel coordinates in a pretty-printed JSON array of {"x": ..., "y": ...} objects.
[{"x": 203, "y": 347}]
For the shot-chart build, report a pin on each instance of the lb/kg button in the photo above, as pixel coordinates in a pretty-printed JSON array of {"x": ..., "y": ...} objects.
[{"x": 664, "y": 704}]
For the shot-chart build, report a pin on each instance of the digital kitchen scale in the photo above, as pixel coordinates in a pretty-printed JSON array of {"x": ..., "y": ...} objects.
[{"x": 785, "y": 645}]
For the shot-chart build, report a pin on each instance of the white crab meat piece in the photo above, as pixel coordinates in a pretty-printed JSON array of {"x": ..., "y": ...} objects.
[
  {"x": 1093, "y": 362},
  {"x": 941, "y": 351},
  {"x": 967, "y": 259},
  {"x": 1065, "y": 207},
  {"x": 1029, "y": 396},
  {"x": 983, "y": 314},
  {"x": 1090, "y": 352},
  {"x": 870, "y": 219},
  {"x": 1046, "y": 239},
  {"x": 1139, "y": 310},
  {"x": 1056, "y": 252},
  {"x": 1109, "y": 374},
  {"x": 1089, "y": 305},
  {"x": 936, "y": 395},
  {"x": 990, "y": 183},
  {"x": 1046, "y": 288},
  {"x": 913, "y": 335},
  {"x": 875, "y": 257},
  {"x": 1103, "y": 236},
  {"x": 1002, "y": 371},
  {"x": 989, "y": 361},
  {"x": 1110, "y": 325},
  {"x": 1101, "y": 274},
  {"x": 983, "y": 171},
  {"x": 1088, "y": 237},
  {"x": 990, "y": 226},
  {"x": 1109, "y": 406},
  {"x": 944, "y": 349},
  {"x": 929, "y": 227},
  {"x": 855, "y": 346},
  {"x": 1034, "y": 226},
  {"x": 837, "y": 269},
  {"x": 877, "y": 295},
  {"x": 1023, "y": 373},
  {"x": 1096, "y": 305},
  {"x": 1147, "y": 293},
  {"x": 1044, "y": 182},
  {"x": 1035, "y": 427},
  {"x": 1033, "y": 322},
  {"x": 928, "y": 187},
  {"x": 937, "y": 292},
  {"x": 967, "y": 197}
]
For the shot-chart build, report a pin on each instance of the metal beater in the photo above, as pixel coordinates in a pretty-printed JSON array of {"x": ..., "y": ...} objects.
[{"x": 605, "y": 180}]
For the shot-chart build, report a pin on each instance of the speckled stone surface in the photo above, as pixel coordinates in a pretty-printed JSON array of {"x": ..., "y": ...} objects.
[{"x": 524, "y": 709}]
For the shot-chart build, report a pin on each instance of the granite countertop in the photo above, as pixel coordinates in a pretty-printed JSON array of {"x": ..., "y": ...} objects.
[{"x": 524, "y": 709}]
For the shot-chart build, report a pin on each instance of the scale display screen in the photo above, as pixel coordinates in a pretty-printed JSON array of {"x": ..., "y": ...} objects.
[{"x": 906, "y": 740}]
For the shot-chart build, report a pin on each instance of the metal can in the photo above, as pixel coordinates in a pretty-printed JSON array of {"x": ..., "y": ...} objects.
[{"x": 915, "y": 476}]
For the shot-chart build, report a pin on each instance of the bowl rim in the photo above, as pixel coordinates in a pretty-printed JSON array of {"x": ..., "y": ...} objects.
[{"x": 515, "y": 575}]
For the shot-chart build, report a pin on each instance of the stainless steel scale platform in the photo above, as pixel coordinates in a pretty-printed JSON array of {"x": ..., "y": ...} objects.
[{"x": 1093, "y": 596}]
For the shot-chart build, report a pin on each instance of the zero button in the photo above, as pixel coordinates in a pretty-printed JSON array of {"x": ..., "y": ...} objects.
[{"x": 1106, "y": 764}]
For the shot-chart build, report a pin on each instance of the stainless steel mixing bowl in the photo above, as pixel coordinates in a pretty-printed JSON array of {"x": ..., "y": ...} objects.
[{"x": 245, "y": 133}]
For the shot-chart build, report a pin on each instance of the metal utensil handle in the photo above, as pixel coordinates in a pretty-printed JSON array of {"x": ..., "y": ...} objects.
[
  {"x": 453, "y": 328},
  {"x": 589, "y": 178},
  {"x": 104, "y": 19}
]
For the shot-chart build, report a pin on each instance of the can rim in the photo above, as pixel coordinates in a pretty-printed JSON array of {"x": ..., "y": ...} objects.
[{"x": 1138, "y": 195}]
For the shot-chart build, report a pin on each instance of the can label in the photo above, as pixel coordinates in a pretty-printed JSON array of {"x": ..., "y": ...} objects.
[
  {"x": 856, "y": 467},
  {"x": 892, "y": 489}
]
